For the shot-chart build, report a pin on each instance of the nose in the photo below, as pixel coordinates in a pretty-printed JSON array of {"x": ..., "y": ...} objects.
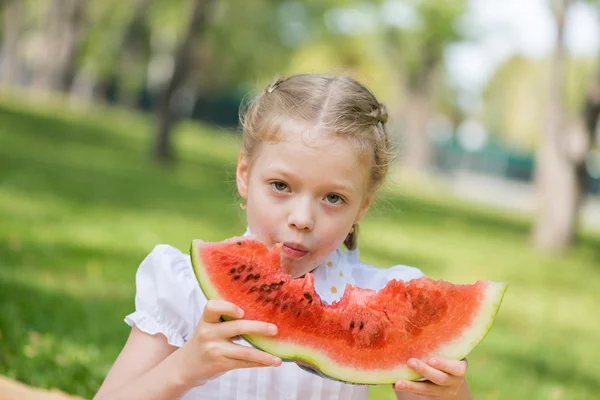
[{"x": 301, "y": 215}]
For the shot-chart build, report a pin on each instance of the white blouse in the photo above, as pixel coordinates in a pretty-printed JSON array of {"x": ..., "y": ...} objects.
[{"x": 169, "y": 301}]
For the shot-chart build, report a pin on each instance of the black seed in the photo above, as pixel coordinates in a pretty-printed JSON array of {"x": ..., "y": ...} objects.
[
  {"x": 277, "y": 303},
  {"x": 298, "y": 314},
  {"x": 265, "y": 288},
  {"x": 232, "y": 270},
  {"x": 239, "y": 243},
  {"x": 241, "y": 269},
  {"x": 256, "y": 277},
  {"x": 308, "y": 297},
  {"x": 351, "y": 324},
  {"x": 268, "y": 299},
  {"x": 249, "y": 277},
  {"x": 285, "y": 306},
  {"x": 280, "y": 283},
  {"x": 250, "y": 268},
  {"x": 253, "y": 289},
  {"x": 361, "y": 325},
  {"x": 274, "y": 286},
  {"x": 235, "y": 278}
]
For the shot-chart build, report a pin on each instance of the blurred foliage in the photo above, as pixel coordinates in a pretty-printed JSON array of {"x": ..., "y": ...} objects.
[{"x": 516, "y": 97}]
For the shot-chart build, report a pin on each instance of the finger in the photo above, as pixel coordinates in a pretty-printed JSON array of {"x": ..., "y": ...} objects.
[
  {"x": 230, "y": 329},
  {"x": 452, "y": 367},
  {"x": 215, "y": 308},
  {"x": 430, "y": 373},
  {"x": 424, "y": 388},
  {"x": 250, "y": 354}
]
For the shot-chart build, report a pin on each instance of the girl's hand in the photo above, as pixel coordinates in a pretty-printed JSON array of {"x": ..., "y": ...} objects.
[
  {"x": 445, "y": 379},
  {"x": 210, "y": 352}
]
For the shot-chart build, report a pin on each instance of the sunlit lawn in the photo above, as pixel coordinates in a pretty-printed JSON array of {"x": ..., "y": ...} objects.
[{"x": 81, "y": 205}]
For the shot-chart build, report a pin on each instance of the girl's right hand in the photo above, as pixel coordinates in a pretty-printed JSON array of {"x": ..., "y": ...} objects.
[{"x": 210, "y": 352}]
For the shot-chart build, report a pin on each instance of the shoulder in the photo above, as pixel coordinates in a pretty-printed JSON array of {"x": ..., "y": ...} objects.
[
  {"x": 373, "y": 277},
  {"x": 168, "y": 299}
]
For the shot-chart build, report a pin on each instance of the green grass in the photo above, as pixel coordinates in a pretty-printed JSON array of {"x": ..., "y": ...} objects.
[{"x": 81, "y": 205}]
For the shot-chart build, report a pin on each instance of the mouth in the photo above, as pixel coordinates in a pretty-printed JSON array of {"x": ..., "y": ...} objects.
[{"x": 294, "y": 250}]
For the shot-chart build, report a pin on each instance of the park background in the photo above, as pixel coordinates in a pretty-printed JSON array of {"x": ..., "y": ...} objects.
[{"x": 118, "y": 131}]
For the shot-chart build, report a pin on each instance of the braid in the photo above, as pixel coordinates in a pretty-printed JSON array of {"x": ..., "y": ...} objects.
[{"x": 352, "y": 239}]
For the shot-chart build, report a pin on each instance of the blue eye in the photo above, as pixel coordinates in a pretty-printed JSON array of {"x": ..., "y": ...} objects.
[
  {"x": 279, "y": 186},
  {"x": 333, "y": 198}
]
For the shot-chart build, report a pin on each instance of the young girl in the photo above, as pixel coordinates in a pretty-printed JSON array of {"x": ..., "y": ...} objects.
[{"x": 315, "y": 150}]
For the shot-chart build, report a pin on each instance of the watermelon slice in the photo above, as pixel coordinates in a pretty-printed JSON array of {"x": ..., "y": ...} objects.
[{"x": 366, "y": 337}]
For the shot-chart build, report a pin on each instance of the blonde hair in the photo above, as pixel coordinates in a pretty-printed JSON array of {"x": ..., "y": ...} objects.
[{"x": 338, "y": 105}]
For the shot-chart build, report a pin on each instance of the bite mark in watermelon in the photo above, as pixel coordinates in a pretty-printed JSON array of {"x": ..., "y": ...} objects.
[{"x": 366, "y": 337}]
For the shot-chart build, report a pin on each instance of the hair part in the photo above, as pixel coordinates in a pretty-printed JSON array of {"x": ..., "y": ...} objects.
[{"x": 335, "y": 105}]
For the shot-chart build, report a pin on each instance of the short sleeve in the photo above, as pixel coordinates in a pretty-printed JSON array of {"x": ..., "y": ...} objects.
[
  {"x": 167, "y": 298},
  {"x": 371, "y": 277}
]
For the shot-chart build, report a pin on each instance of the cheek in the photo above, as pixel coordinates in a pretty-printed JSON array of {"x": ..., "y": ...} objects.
[{"x": 260, "y": 215}]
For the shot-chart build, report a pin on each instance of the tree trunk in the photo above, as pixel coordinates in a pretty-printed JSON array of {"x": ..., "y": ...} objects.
[
  {"x": 61, "y": 35},
  {"x": 166, "y": 116},
  {"x": 416, "y": 148},
  {"x": 557, "y": 178},
  {"x": 13, "y": 13}
]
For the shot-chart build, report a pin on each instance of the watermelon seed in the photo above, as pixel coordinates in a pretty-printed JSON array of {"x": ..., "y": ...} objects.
[
  {"x": 239, "y": 243},
  {"x": 277, "y": 304},
  {"x": 285, "y": 306},
  {"x": 298, "y": 314},
  {"x": 241, "y": 269},
  {"x": 308, "y": 297},
  {"x": 274, "y": 286},
  {"x": 261, "y": 297},
  {"x": 235, "y": 278},
  {"x": 232, "y": 270},
  {"x": 250, "y": 268},
  {"x": 249, "y": 277},
  {"x": 265, "y": 288},
  {"x": 268, "y": 299},
  {"x": 351, "y": 324},
  {"x": 253, "y": 289},
  {"x": 362, "y": 325},
  {"x": 256, "y": 277}
]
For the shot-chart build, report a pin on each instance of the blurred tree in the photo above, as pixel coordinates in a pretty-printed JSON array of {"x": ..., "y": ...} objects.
[
  {"x": 515, "y": 97},
  {"x": 12, "y": 16},
  {"x": 165, "y": 114},
  {"x": 115, "y": 52},
  {"x": 62, "y": 33},
  {"x": 560, "y": 160},
  {"x": 416, "y": 49}
]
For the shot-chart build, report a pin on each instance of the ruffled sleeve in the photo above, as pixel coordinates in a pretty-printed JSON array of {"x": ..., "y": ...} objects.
[{"x": 168, "y": 299}]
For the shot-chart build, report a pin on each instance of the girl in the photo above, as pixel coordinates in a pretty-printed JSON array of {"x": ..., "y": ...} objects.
[{"x": 315, "y": 150}]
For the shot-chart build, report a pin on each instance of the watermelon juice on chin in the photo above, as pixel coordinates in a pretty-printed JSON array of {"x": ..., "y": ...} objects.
[{"x": 366, "y": 337}]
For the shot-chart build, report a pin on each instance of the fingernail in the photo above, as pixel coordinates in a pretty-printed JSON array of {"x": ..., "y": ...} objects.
[
  {"x": 272, "y": 329},
  {"x": 433, "y": 362},
  {"x": 399, "y": 385},
  {"x": 240, "y": 312},
  {"x": 276, "y": 361},
  {"x": 412, "y": 363}
]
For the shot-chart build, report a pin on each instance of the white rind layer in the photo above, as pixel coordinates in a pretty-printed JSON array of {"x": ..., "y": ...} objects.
[{"x": 456, "y": 350}]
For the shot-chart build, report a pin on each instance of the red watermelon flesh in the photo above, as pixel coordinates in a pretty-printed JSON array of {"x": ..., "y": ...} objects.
[{"x": 365, "y": 337}]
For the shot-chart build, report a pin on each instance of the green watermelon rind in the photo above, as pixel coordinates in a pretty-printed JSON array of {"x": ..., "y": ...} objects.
[{"x": 455, "y": 350}]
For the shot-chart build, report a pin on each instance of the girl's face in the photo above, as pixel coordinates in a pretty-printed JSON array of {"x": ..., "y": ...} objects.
[{"x": 305, "y": 192}]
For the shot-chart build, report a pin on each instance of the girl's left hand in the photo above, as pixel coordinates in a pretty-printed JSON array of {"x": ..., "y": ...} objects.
[{"x": 444, "y": 378}]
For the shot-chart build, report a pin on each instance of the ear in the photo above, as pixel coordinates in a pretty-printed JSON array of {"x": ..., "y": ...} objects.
[
  {"x": 364, "y": 208},
  {"x": 241, "y": 176}
]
